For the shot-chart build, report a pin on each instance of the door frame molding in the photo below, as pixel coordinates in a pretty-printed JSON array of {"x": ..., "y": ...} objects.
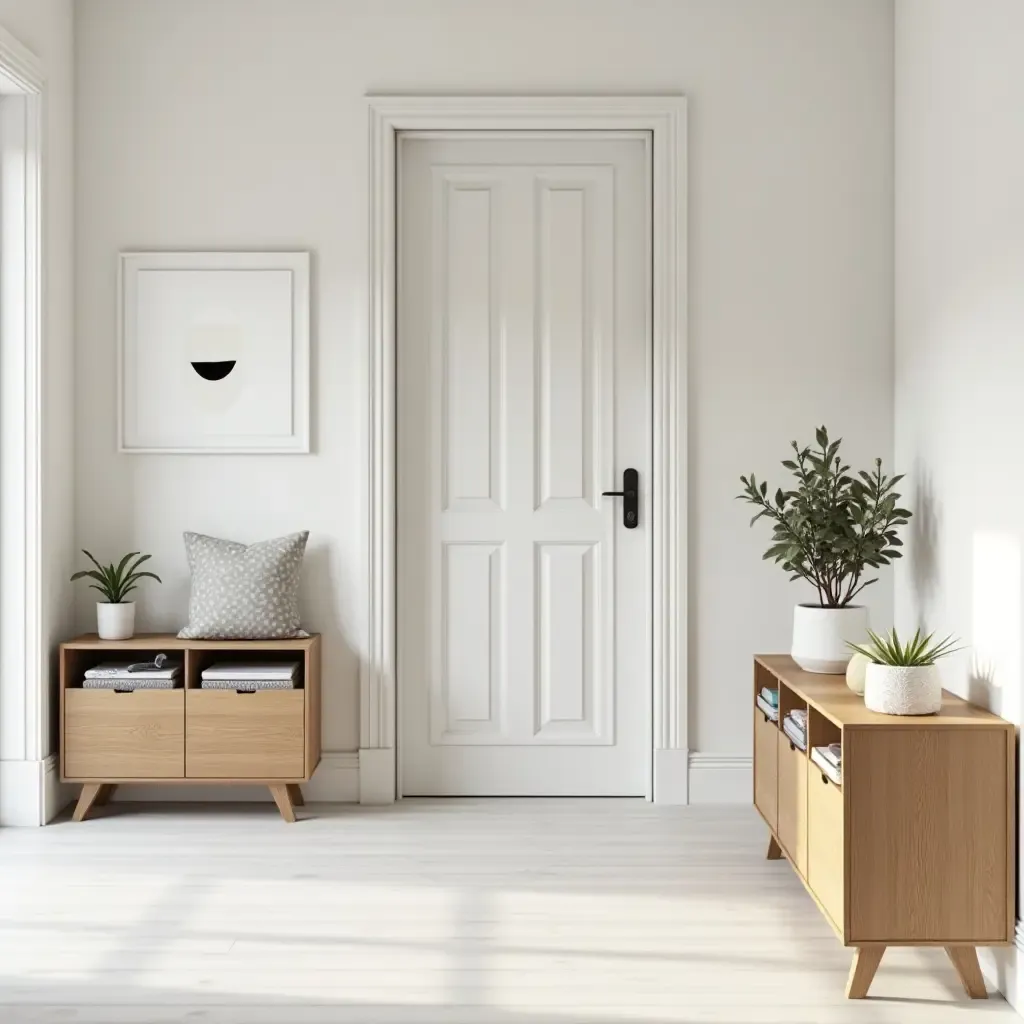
[
  {"x": 28, "y": 775},
  {"x": 665, "y": 118}
]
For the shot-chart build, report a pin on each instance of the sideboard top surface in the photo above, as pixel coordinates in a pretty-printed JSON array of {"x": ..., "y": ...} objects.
[
  {"x": 835, "y": 700},
  {"x": 172, "y": 642}
]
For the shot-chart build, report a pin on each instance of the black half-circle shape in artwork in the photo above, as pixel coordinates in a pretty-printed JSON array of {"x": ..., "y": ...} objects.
[{"x": 214, "y": 370}]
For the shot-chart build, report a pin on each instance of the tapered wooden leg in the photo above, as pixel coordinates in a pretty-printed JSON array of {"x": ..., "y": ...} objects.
[
  {"x": 283, "y": 800},
  {"x": 106, "y": 792},
  {"x": 296, "y": 794},
  {"x": 774, "y": 850},
  {"x": 865, "y": 962},
  {"x": 88, "y": 796},
  {"x": 965, "y": 960}
]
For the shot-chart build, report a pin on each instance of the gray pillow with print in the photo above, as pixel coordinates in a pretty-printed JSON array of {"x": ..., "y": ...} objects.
[{"x": 244, "y": 591}]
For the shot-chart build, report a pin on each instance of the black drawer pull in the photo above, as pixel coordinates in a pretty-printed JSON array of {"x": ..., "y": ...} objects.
[
  {"x": 792, "y": 745},
  {"x": 824, "y": 778}
]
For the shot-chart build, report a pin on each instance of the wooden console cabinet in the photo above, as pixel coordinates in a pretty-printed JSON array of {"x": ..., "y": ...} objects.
[
  {"x": 270, "y": 738},
  {"x": 916, "y": 847}
]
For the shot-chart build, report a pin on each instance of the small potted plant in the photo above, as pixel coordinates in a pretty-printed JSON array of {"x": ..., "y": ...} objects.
[
  {"x": 115, "y": 617},
  {"x": 832, "y": 528},
  {"x": 902, "y": 678}
]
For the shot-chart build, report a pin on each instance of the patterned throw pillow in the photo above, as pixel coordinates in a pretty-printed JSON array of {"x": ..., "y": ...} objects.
[{"x": 244, "y": 591}]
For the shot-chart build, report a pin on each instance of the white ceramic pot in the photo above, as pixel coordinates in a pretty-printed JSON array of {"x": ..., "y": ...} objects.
[
  {"x": 820, "y": 635},
  {"x": 115, "y": 621},
  {"x": 903, "y": 689}
]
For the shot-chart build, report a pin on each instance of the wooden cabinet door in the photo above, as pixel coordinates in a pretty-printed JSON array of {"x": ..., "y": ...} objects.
[
  {"x": 766, "y": 761},
  {"x": 793, "y": 802},
  {"x": 245, "y": 735},
  {"x": 825, "y": 859},
  {"x": 136, "y": 735}
]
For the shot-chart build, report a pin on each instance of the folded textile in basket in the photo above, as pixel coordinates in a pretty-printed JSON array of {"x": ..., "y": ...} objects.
[
  {"x": 126, "y": 683},
  {"x": 247, "y": 685},
  {"x": 252, "y": 670},
  {"x": 122, "y": 670}
]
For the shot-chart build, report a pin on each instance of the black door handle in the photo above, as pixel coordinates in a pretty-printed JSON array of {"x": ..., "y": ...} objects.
[{"x": 630, "y": 495}]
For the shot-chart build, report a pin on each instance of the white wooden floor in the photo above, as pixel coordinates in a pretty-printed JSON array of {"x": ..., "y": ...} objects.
[{"x": 517, "y": 912}]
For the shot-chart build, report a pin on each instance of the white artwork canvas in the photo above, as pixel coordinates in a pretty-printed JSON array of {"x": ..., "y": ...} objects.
[{"x": 214, "y": 352}]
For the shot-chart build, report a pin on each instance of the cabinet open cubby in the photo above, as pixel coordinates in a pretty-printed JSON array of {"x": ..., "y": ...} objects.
[{"x": 198, "y": 659}]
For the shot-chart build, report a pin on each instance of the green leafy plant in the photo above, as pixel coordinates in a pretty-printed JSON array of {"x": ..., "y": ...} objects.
[
  {"x": 833, "y": 526},
  {"x": 115, "y": 583},
  {"x": 918, "y": 650}
]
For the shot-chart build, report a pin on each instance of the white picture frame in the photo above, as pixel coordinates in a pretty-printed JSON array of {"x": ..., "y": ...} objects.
[{"x": 186, "y": 323}]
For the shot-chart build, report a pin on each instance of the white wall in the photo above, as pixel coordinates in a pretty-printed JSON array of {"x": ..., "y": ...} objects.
[
  {"x": 960, "y": 337},
  {"x": 240, "y": 123},
  {"x": 46, "y": 27}
]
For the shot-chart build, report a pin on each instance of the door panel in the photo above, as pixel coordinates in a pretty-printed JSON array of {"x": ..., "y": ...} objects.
[
  {"x": 793, "y": 802},
  {"x": 134, "y": 735},
  {"x": 825, "y": 844},
  {"x": 766, "y": 768},
  {"x": 523, "y": 393}
]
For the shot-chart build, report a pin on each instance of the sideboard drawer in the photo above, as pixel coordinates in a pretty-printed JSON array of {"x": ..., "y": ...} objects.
[
  {"x": 825, "y": 874},
  {"x": 135, "y": 735},
  {"x": 233, "y": 735},
  {"x": 792, "y": 828},
  {"x": 766, "y": 767}
]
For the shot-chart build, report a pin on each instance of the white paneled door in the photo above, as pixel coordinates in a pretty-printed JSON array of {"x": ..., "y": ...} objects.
[{"x": 524, "y": 651}]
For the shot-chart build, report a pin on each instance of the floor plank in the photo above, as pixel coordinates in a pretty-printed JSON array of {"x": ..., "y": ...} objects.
[{"x": 475, "y": 911}]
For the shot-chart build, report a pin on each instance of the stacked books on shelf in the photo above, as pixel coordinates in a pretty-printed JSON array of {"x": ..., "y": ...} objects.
[
  {"x": 768, "y": 702},
  {"x": 830, "y": 760},
  {"x": 794, "y": 725},
  {"x": 125, "y": 676},
  {"x": 250, "y": 676}
]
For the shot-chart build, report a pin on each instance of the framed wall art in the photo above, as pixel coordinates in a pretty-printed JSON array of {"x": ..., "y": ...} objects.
[{"x": 213, "y": 352}]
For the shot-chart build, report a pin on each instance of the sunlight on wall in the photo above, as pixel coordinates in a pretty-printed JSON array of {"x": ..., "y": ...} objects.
[{"x": 995, "y": 672}]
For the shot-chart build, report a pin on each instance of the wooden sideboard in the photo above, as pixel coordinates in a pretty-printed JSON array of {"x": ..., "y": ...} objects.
[
  {"x": 269, "y": 738},
  {"x": 916, "y": 847}
]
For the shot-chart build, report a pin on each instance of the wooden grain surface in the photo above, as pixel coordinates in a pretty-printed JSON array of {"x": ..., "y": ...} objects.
[
  {"x": 928, "y": 834},
  {"x": 826, "y": 862},
  {"x": 245, "y": 735},
  {"x": 792, "y": 829},
  {"x": 172, "y": 642},
  {"x": 766, "y": 759},
  {"x": 834, "y": 699},
  {"x": 313, "y": 690},
  {"x": 124, "y": 735}
]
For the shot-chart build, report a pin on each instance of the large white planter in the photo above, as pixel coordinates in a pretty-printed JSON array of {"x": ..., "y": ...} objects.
[
  {"x": 820, "y": 635},
  {"x": 115, "y": 621},
  {"x": 903, "y": 689}
]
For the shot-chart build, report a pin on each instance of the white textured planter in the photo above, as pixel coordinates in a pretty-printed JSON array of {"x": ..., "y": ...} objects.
[
  {"x": 115, "y": 621},
  {"x": 903, "y": 689},
  {"x": 820, "y": 635}
]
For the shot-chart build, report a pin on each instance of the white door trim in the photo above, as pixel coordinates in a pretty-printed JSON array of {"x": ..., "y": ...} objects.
[
  {"x": 665, "y": 118},
  {"x": 27, "y": 775}
]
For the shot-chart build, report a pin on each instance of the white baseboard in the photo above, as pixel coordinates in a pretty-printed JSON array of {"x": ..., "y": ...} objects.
[
  {"x": 336, "y": 780},
  {"x": 377, "y": 775},
  {"x": 721, "y": 779},
  {"x": 671, "y": 776},
  {"x": 30, "y": 792},
  {"x": 1003, "y": 969}
]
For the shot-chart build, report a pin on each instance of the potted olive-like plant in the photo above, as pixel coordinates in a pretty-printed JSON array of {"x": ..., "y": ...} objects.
[
  {"x": 115, "y": 617},
  {"x": 902, "y": 678},
  {"x": 831, "y": 528}
]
